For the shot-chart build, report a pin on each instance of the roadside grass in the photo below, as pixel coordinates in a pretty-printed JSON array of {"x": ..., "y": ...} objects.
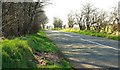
[
  {"x": 92, "y": 33},
  {"x": 31, "y": 51},
  {"x": 56, "y": 28}
]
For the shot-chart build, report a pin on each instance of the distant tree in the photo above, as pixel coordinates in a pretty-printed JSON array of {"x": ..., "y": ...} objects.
[
  {"x": 87, "y": 10},
  {"x": 42, "y": 19},
  {"x": 119, "y": 16},
  {"x": 114, "y": 19},
  {"x": 94, "y": 21},
  {"x": 102, "y": 21},
  {"x": 71, "y": 20},
  {"x": 79, "y": 20},
  {"x": 57, "y": 22}
]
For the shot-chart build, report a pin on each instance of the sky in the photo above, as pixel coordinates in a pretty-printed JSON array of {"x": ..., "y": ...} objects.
[{"x": 60, "y": 8}]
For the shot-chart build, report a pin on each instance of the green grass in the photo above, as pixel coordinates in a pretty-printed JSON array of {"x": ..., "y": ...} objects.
[
  {"x": 56, "y": 28},
  {"x": 92, "y": 33},
  {"x": 18, "y": 52}
]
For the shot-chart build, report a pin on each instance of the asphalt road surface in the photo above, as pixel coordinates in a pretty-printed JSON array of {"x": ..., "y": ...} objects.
[{"x": 84, "y": 51}]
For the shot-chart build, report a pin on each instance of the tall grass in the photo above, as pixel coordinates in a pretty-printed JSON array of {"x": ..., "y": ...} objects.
[{"x": 19, "y": 52}]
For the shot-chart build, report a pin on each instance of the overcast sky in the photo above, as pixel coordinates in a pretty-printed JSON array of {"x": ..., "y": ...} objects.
[{"x": 60, "y": 8}]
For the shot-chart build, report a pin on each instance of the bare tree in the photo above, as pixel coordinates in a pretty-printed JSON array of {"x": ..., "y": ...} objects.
[
  {"x": 43, "y": 19},
  {"x": 71, "y": 20},
  {"x": 21, "y": 18},
  {"x": 119, "y": 11},
  {"x": 114, "y": 19},
  {"x": 79, "y": 20},
  {"x": 87, "y": 10},
  {"x": 102, "y": 21},
  {"x": 57, "y": 22}
]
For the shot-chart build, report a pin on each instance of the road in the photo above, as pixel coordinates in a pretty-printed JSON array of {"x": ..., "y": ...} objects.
[{"x": 84, "y": 51}]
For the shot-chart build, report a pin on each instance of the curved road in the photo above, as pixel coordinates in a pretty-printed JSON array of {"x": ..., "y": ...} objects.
[{"x": 84, "y": 51}]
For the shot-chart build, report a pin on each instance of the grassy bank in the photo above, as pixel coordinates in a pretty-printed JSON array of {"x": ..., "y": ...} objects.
[
  {"x": 32, "y": 51},
  {"x": 92, "y": 33}
]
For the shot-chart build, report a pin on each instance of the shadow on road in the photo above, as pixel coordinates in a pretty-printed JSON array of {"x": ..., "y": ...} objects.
[{"x": 82, "y": 54}]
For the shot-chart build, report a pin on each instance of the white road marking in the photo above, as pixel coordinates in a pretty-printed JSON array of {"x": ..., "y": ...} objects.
[
  {"x": 100, "y": 44},
  {"x": 54, "y": 31}
]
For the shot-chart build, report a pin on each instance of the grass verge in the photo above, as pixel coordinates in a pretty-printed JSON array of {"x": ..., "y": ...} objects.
[
  {"x": 92, "y": 33},
  {"x": 32, "y": 51},
  {"x": 56, "y": 28}
]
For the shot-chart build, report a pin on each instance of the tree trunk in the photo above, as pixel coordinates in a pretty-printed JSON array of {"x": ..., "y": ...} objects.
[{"x": 80, "y": 26}]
